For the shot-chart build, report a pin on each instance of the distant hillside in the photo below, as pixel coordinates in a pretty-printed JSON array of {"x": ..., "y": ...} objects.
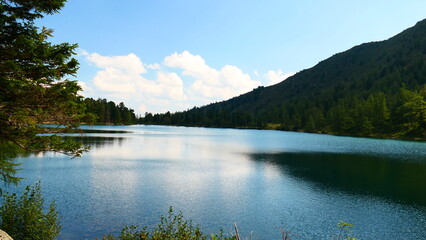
[{"x": 374, "y": 89}]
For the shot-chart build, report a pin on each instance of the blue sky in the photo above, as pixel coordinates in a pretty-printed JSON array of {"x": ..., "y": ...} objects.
[{"x": 172, "y": 55}]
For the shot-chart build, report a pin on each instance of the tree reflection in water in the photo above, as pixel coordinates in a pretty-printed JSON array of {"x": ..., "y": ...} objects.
[{"x": 398, "y": 180}]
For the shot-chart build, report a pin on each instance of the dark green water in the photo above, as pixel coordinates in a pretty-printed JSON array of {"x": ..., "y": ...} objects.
[
  {"x": 263, "y": 180},
  {"x": 387, "y": 178}
]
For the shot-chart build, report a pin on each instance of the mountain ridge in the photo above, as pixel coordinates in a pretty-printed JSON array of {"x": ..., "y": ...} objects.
[
  {"x": 289, "y": 82},
  {"x": 375, "y": 74}
]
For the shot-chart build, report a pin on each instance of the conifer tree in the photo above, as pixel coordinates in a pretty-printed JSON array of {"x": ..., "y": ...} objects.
[{"x": 33, "y": 80}]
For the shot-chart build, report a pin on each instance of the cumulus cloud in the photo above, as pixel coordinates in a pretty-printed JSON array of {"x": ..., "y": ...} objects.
[
  {"x": 181, "y": 81},
  {"x": 210, "y": 83},
  {"x": 275, "y": 77},
  {"x": 127, "y": 64},
  {"x": 84, "y": 87},
  {"x": 172, "y": 85},
  {"x": 122, "y": 78},
  {"x": 194, "y": 66},
  {"x": 154, "y": 66}
]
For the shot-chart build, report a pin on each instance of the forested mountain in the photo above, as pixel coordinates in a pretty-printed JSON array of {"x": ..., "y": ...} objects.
[
  {"x": 374, "y": 89},
  {"x": 107, "y": 112}
]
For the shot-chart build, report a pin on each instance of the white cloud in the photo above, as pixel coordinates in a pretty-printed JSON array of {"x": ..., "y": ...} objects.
[
  {"x": 114, "y": 80},
  {"x": 84, "y": 87},
  {"x": 142, "y": 108},
  {"x": 181, "y": 81},
  {"x": 275, "y": 77},
  {"x": 126, "y": 64},
  {"x": 82, "y": 52},
  {"x": 172, "y": 85},
  {"x": 194, "y": 66},
  {"x": 154, "y": 66},
  {"x": 211, "y": 84},
  {"x": 122, "y": 78}
]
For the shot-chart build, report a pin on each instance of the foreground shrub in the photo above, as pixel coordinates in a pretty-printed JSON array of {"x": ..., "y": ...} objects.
[
  {"x": 23, "y": 217},
  {"x": 175, "y": 227},
  {"x": 171, "y": 227}
]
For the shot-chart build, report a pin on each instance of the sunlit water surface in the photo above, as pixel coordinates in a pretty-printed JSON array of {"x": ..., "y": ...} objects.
[{"x": 264, "y": 181}]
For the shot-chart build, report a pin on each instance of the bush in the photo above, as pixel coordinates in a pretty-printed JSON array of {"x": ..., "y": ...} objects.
[
  {"x": 171, "y": 227},
  {"x": 175, "y": 227},
  {"x": 23, "y": 217}
]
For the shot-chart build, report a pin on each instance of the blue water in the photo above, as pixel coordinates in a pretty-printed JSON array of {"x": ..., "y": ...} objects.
[{"x": 262, "y": 180}]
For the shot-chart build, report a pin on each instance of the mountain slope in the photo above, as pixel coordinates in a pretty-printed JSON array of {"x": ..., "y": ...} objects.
[
  {"x": 376, "y": 66},
  {"x": 365, "y": 91}
]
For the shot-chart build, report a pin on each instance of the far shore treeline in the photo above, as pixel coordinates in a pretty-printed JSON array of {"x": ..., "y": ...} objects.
[
  {"x": 400, "y": 116},
  {"x": 108, "y": 112},
  {"x": 376, "y": 89}
]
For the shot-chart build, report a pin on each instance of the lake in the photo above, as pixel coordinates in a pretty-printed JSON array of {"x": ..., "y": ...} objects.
[{"x": 262, "y": 180}]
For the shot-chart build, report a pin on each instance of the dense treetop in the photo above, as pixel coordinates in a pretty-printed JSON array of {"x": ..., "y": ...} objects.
[{"x": 107, "y": 112}]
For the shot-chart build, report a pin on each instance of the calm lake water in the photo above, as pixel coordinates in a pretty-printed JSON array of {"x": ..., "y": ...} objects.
[{"x": 262, "y": 180}]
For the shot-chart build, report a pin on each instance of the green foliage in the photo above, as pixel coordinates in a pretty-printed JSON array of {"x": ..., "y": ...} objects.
[
  {"x": 374, "y": 89},
  {"x": 33, "y": 80},
  {"x": 175, "y": 227},
  {"x": 23, "y": 217},
  {"x": 344, "y": 231},
  {"x": 411, "y": 112},
  {"x": 8, "y": 168},
  {"x": 171, "y": 227},
  {"x": 107, "y": 112},
  {"x": 34, "y": 88}
]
